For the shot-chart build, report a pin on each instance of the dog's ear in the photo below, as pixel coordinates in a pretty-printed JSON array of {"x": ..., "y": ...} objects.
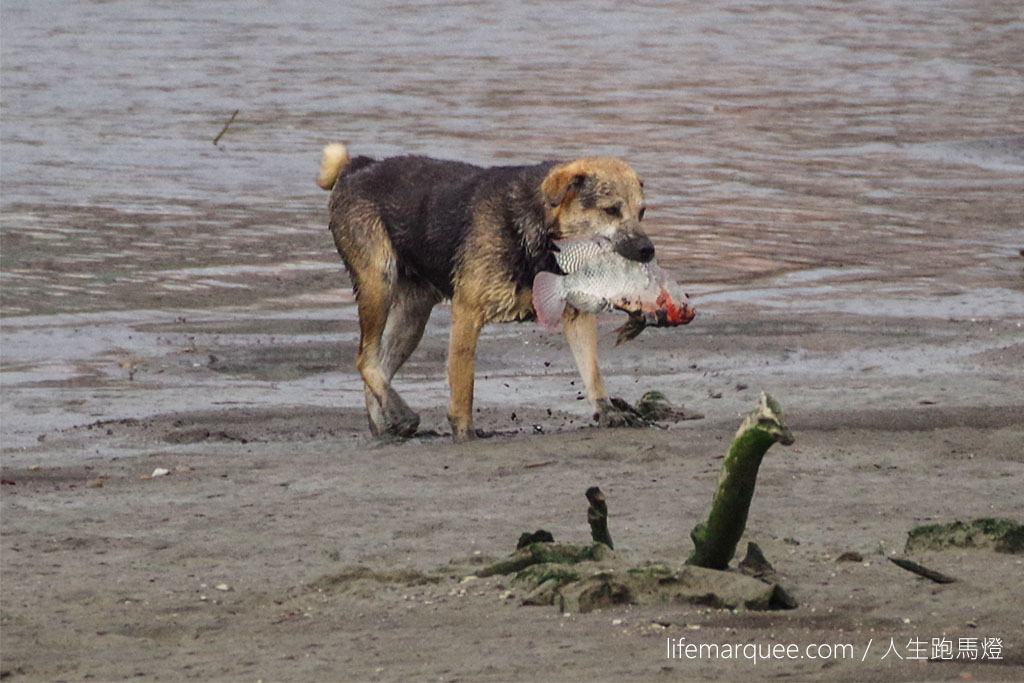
[{"x": 562, "y": 183}]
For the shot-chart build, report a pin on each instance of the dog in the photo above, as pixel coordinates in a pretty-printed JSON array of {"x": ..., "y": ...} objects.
[{"x": 413, "y": 231}]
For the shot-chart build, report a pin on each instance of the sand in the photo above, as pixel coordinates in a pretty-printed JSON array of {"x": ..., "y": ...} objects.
[{"x": 283, "y": 543}]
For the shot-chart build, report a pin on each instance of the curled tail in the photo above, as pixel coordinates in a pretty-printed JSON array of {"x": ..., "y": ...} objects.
[{"x": 334, "y": 161}]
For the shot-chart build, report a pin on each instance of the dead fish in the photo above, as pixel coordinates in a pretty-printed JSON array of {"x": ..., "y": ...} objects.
[{"x": 598, "y": 280}]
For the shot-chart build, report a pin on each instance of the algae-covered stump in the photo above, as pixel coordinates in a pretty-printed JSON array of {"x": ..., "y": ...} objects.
[{"x": 715, "y": 540}]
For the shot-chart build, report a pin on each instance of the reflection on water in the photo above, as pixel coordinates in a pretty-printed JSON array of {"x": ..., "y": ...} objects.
[{"x": 773, "y": 137}]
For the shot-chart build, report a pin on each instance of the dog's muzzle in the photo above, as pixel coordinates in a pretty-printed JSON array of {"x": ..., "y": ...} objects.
[{"x": 636, "y": 248}]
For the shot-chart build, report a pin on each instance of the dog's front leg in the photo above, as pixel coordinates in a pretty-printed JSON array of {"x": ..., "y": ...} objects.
[
  {"x": 467, "y": 322},
  {"x": 581, "y": 333}
]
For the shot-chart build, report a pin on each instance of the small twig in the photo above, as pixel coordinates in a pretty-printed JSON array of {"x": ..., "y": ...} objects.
[
  {"x": 921, "y": 570},
  {"x": 225, "y": 128}
]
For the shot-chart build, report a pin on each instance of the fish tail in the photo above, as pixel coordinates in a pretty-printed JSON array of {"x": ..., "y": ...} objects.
[{"x": 548, "y": 299}]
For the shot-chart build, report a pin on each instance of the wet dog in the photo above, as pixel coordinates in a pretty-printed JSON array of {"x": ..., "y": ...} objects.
[{"x": 413, "y": 231}]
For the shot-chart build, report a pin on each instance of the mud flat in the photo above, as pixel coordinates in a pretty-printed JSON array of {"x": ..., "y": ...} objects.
[{"x": 284, "y": 544}]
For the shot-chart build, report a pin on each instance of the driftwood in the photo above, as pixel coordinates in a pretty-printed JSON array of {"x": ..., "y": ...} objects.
[
  {"x": 546, "y": 553},
  {"x": 597, "y": 516},
  {"x": 715, "y": 540},
  {"x": 921, "y": 570}
]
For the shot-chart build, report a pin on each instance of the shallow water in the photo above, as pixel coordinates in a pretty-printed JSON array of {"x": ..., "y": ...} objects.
[
  {"x": 884, "y": 135},
  {"x": 804, "y": 156}
]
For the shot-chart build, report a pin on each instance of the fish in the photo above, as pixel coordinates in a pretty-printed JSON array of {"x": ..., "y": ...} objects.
[{"x": 598, "y": 279}]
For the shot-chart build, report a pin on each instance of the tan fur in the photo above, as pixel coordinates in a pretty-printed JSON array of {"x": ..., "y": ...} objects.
[
  {"x": 581, "y": 333},
  {"x": 486, "y": 278},
  {"x": 335, "y": 158},
  {"x": 616, "y": 181}
]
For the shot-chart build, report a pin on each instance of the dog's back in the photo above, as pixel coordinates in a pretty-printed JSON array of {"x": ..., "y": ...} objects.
[{"x": 427, "y": 206}]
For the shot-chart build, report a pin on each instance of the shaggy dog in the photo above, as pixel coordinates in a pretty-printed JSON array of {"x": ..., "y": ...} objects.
[{"x": 413, "y": 231}]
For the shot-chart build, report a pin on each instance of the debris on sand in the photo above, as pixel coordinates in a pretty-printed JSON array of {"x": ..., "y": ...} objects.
[
  {"x": 1000, "y": 534},
  {"x": 581, "y": 578},
  {"x": 653, "y": 406},
  {"x": 921, "y": 570}
]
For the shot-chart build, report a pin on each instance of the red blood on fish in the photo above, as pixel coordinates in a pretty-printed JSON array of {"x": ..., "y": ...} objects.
[{"x": 674, "y": 313}]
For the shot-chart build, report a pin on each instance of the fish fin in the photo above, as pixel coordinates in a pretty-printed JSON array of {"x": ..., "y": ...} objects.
[
  {"x": 548, "y": 300},
  {"x": 633, "y": 327}
]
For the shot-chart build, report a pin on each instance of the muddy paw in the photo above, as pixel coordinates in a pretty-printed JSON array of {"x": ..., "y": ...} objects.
[{"x": 396, "y": 419}]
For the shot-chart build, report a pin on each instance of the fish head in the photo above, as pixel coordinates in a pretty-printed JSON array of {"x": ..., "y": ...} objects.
[
  {"x": 673, "y": 311},
  {"x": 594, "y": 197}
]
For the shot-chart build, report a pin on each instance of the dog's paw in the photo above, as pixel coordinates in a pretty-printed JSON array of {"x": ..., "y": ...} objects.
[
  {"x": 615, "y": 412},
  {"x": 462, "y": 430},
  {"x": 395, "y": 419},
  {"x": 398, "y": 429},
  {"x": 464, "y": 436}
]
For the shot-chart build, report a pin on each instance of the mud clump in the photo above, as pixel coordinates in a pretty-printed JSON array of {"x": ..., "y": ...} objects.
[{"x": 1000, "y": 534}]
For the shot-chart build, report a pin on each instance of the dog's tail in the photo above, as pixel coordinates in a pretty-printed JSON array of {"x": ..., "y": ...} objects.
[{"x": 334, "y": 162}]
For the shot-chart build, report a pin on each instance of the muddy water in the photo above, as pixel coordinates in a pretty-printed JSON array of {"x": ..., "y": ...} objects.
[{"x": 798, "y": 156}]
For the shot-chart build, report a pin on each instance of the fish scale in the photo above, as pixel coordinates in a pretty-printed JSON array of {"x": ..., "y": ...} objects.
[{"x": 572, "y": 255}]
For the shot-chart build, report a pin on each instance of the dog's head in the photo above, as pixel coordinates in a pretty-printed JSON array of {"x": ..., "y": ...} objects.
[{"x": 598, "y": 196}]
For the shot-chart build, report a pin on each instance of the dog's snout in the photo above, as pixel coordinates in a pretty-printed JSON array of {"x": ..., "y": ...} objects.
[{"x": 636, "y": 248}]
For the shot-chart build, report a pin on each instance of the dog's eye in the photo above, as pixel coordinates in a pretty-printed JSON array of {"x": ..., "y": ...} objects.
[{"x": 613, "y": 211}]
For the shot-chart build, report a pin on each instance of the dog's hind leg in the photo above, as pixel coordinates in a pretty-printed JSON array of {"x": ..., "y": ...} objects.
[
  {"x": 407, "y": 318},
  {"x": 388, "y": 413},
  {"x": 370, "y": 258}
]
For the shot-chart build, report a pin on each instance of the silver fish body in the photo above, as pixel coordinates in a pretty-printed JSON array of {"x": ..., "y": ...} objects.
[{"x": 598, "y": 280}]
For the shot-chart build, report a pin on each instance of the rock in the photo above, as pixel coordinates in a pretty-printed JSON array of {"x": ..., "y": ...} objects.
[
  {"x": 688, "y": 585},
  {"x": 538, "y": 536},
  {"x": 850, "y": 556},
  {"x": 755, "y": 563},
  {"x": 596, "y": 592}
]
